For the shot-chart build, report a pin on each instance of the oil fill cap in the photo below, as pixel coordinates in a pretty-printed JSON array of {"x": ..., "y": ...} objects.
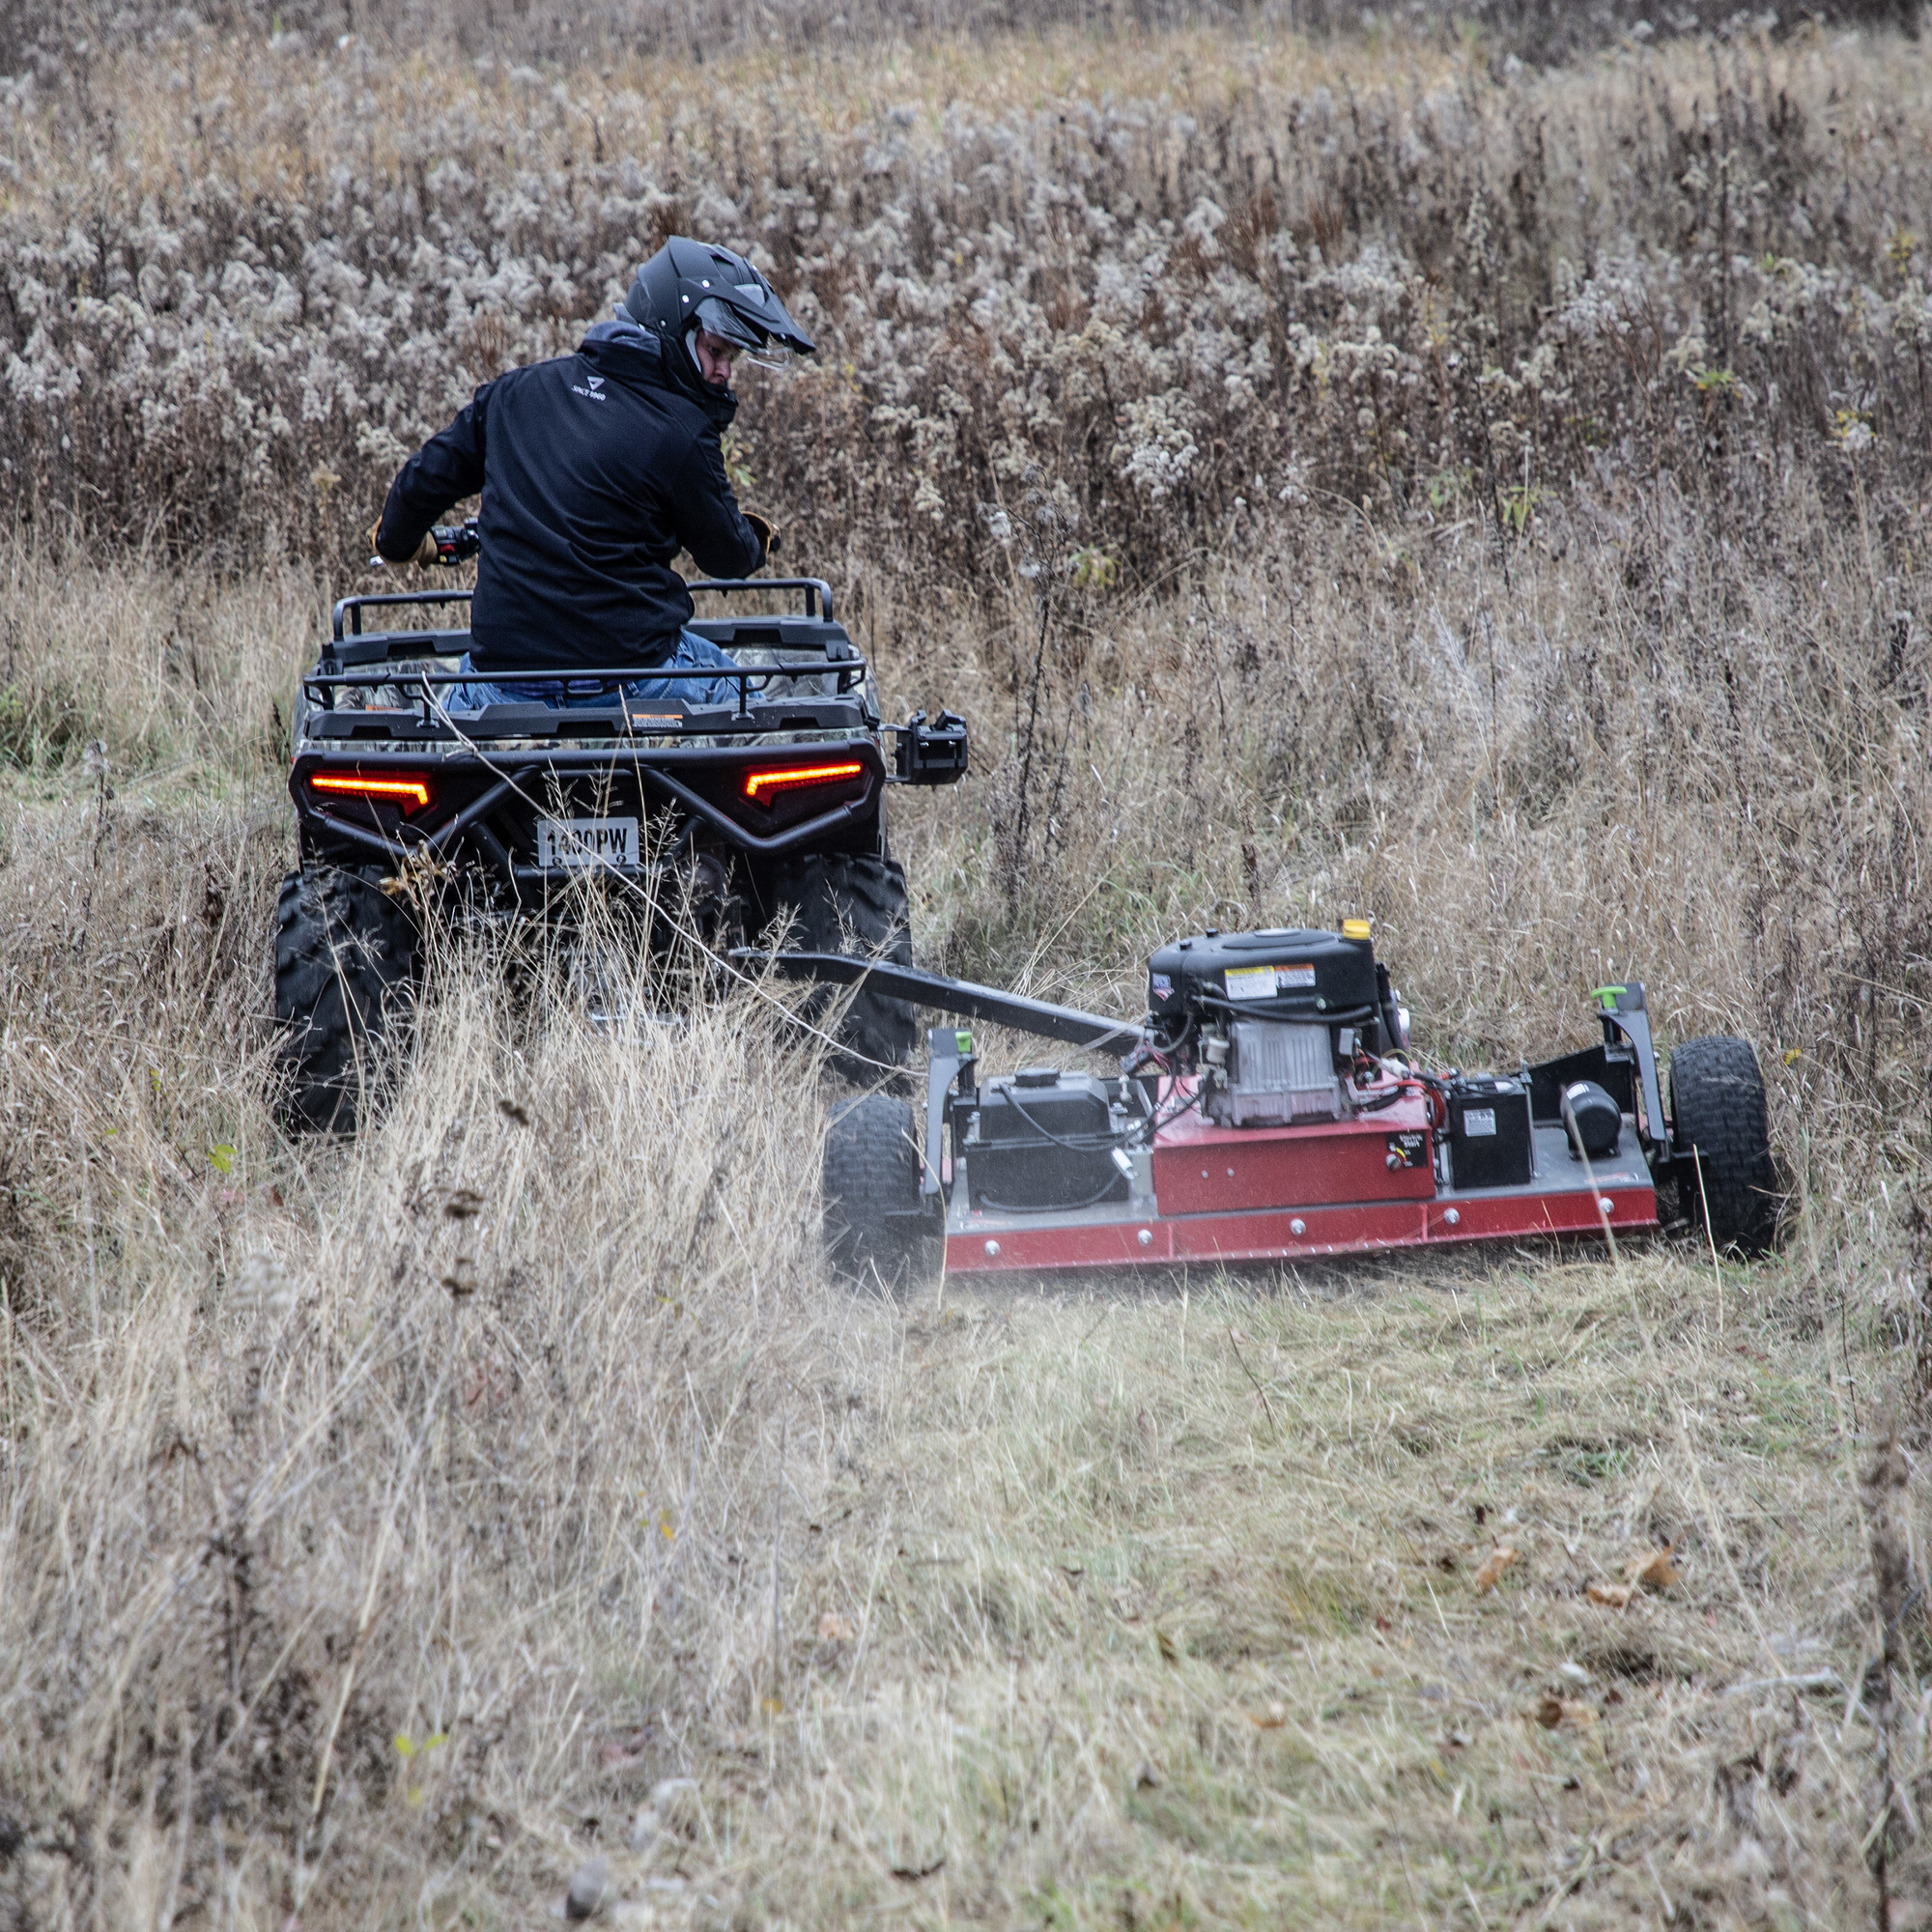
[{"x": 1037, "y": 1076}]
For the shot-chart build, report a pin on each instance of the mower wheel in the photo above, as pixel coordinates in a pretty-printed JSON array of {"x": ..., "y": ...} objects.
[
  {"x": 855, "y": 904},
  {"x": 873, "y": 1219},
  {"x": 346, "y": 964},
  {"x": 1717, "y": 1106}
]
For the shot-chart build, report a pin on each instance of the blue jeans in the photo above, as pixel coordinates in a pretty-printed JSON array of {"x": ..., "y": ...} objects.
[{"x": 691, "y": 652}]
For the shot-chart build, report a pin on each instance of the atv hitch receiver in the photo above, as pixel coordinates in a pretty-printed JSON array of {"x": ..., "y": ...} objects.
[{"x": 1270, "y": 1108}]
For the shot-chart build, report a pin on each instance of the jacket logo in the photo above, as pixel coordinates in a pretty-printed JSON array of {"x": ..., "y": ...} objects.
[
  {"x": 593, "y": 392},
  {"x": 595, "y": 382}
]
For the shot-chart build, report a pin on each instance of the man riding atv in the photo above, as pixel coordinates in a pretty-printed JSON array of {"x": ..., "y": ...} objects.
[
  {"x": 725, "y": 774},
  {"x": 595, "y": 470}
]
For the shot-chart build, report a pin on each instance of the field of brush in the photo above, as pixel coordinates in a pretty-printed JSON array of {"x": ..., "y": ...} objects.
[{"x": 1389, "y": 476}]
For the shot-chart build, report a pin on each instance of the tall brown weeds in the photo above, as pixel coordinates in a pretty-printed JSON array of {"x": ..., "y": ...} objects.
[
  {"x": 515, "y": 1362},
  {"x": 1181, "y": 289}
]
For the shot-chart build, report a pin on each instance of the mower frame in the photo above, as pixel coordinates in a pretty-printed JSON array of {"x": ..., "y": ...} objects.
[{"x": 1374, "y": 1179}]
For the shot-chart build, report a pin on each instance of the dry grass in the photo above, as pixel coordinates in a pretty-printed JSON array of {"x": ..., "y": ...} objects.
[
  {"x": 379, "y": 1526},
  {"x": 1151, "y": 1608}
]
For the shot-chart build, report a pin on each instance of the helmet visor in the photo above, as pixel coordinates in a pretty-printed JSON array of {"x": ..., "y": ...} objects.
[{"x": 718, "y": 318}]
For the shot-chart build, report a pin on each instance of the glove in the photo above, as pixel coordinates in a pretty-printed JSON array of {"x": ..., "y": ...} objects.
[
  {"x": 426, "y": 551},
  {"x": 762, "y": 529}
]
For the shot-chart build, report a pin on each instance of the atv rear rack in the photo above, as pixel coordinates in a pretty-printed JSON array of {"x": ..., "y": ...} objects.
[
  {"x": 392, "y": 661},
  {"x": 426, "y": 717},
  {"x": 348, "y": 619},
  {"x": 376, "y": 721}
]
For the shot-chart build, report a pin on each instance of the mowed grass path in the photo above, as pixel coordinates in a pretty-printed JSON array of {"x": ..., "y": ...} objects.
[{"x": 1168, "y": 1608}]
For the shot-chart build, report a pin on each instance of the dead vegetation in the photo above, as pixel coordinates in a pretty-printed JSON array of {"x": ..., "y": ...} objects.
[{"x": 385, "y": 1526}]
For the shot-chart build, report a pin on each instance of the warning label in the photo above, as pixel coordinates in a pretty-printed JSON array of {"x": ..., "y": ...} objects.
[{"x": 1264, "y": 983}]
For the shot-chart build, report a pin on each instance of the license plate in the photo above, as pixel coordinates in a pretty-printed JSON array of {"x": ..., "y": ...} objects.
[{"x": 586, "y": 841}]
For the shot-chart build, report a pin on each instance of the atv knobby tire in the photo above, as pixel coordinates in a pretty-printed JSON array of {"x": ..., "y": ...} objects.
[
  {"x": 854, "y": 903},
  {"x": 872, "y": 1218},
  {"x": 1717, "y": 1106},
  {"x": 346, "y": 968}
]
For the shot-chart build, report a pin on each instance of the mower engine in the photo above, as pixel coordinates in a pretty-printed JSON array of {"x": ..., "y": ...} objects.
[{"x": 1271, "y": 1024}]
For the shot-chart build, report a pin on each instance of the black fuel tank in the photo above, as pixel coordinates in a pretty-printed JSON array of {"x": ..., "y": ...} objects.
[
  {"x": 1284, "y": 975},
  {"x": 1044, "y": 1139}
]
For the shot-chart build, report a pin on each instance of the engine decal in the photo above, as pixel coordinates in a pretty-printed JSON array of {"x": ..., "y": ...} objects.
[
  {"x": 1264, "y": 983},
  {"x": 1409, "y": 1150}
]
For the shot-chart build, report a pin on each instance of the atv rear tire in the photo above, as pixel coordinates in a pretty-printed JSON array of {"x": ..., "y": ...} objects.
[
  {"x": 854, "y": 903},
  {"x": 872, "y": 1212},
  {"x": 346, "y": 969},
  {"x": 1717, "y": 1106}
]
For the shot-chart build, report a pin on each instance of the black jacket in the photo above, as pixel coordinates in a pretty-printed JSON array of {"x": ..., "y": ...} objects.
[{"x": 595, "y": 469}]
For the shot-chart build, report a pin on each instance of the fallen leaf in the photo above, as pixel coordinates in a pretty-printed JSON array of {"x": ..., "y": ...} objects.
[
  {"x": 1552, "y": 1711},
  {"x": 912, "y": 1874},
  {"x": 1494, "y": 1566},
  {"x": 834, "y": 1628},
  {"x": 463, "y": 1203},
  {"x": 1654, "y": 1568},
  {"x": 1270, "y": 1719},
  {"x": 510, "y": 1111},
  {"x": 1169, "y": 1649},
  {"x": 1615, "y": 1596}
]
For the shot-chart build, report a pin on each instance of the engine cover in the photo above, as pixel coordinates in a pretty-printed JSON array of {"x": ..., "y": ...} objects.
[
  {"x": 1287, "y": 975},
  {"x": 1276, "y": 1074}
]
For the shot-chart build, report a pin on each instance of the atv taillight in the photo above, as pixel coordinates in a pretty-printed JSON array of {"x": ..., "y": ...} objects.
[
  {"x": 410, "y": 793},
  {"x": 761, "y": 787}
]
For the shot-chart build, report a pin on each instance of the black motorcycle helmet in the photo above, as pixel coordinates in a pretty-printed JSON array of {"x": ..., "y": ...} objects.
[{"x": 689, "y": 284}]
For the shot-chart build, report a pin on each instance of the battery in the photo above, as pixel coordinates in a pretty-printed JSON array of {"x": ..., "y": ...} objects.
[{"x": 1489, "y": 1142}]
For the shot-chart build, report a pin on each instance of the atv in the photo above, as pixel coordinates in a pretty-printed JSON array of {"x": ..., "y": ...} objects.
[{"x": 721, "y": 819}]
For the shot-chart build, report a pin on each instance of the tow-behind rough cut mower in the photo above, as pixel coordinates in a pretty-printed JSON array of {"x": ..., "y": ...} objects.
[{"x": 1270, "y": 1108}]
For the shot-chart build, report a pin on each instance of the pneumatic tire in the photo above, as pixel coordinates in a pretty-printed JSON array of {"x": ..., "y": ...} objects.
[
  {"x": 855, "y": 904},
  {"x": 873, "y": 1222},
  {"x": 346, "y": 965},
  {"x": 1717, "y": 1108}
]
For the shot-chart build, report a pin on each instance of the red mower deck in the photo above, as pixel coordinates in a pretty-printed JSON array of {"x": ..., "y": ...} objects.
[{"x": 1262, "y": 1194}]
